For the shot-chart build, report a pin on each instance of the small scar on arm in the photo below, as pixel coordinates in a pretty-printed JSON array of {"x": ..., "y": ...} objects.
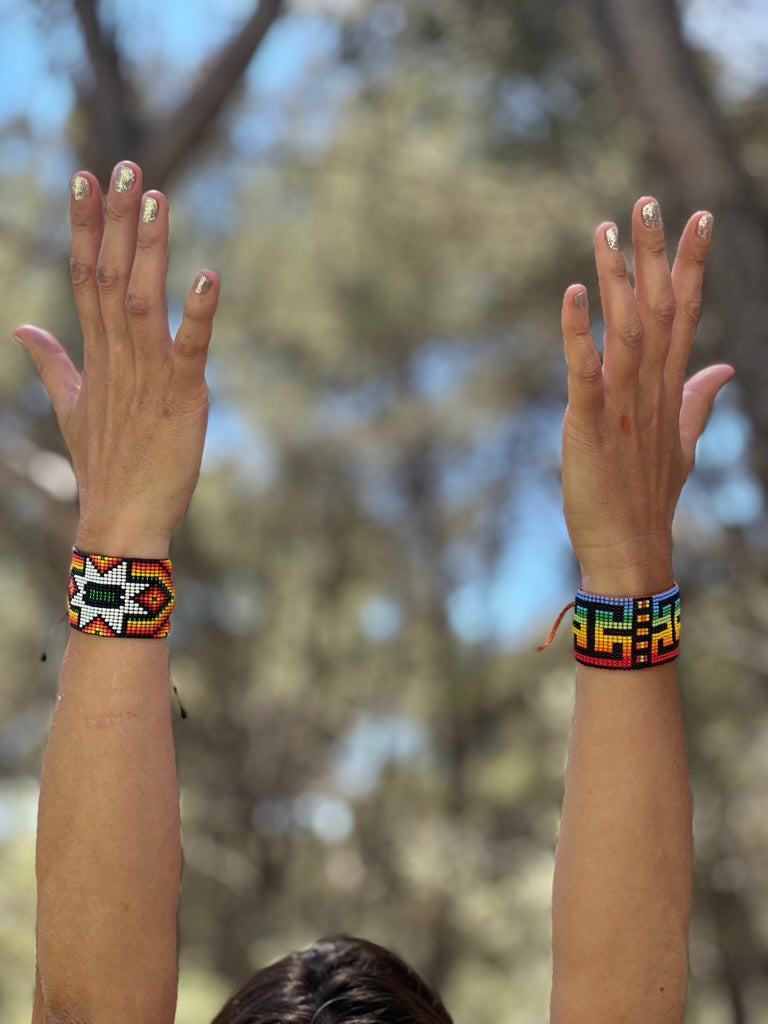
[{"x": 626, "y": 426}]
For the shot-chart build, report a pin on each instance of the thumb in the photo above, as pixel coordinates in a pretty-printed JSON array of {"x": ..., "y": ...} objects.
[
  {"x": 698, "y": 395},
  {"x": 56, "y": 370}
]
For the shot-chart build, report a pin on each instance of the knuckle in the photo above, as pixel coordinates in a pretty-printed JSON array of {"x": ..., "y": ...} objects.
[
  {"x": 119, "y": 214},
  {"x": 186, "y": 348},
  {"x": 109, "y": 278},
  {"x": 137, "y": 306},
  {"x": 656, "y": 247},
  {"x": 589, "y": 374},
  {"x": 664, "y": 311},
  {"x": 146, "y": 241},
  {"x": 81, "y": 272},
  {"x": 691, "y": 310},
  {"x": 631, "y": 334},
  {"x": 619, "y": 269}
]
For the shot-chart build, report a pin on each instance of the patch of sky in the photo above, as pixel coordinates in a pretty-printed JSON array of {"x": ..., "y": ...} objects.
[
  {"x": 724, "y": 442},
  {"x": 387, "y": 20},
  {"x": 18, "y": 807},
  {"x": 439, "y": 366},
  {"x": 337, "y": 410},
  {"x": 380, "y": 618},
  {"x": 233, "y": 438},
  {"x": 736, "y": 31},
  {"x": 293, "y": 45},
  {"x": 330, "y": 818},
  {"x": 504, "y": 604},
  {"x": 522, "y": 107},
  {"x": 30, "y": 87},
  {"x": 374, "y": 742},
  {"x": 722, "y": 486}
]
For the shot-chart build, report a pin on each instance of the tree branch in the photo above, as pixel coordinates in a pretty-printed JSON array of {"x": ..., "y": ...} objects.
[
  {"x": 170, "y": 143},
  {"x": 662, "y": 81}
]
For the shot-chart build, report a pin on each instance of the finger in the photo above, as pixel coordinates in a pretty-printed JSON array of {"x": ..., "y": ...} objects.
[
  {"x": 190, "y": 348},
  {"x": 55, "y": 369},
  {"x": 145, "y": 305},
  {"x": 687, "y": 282},
  {"x": 118, "y": 246},
  {"x": 623, "y": 330},
  {"x": 585, "y": 372},
  {"x": 653, "y": 281},
  {"x": 86, "y": 216},
  {"x": 698, "y": 395}
]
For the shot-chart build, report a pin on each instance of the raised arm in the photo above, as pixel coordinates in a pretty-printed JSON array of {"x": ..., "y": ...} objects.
[
  {"x": 621, "y": 899},
  {"x": 108, "y": 844}
]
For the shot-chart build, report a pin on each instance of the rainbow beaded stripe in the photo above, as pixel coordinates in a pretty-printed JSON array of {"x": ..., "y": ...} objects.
[
  {"x": 110, "y": 596},
  {"x": 626, "y": 632}
]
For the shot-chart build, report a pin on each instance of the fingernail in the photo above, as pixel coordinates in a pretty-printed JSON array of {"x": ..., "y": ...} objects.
[
  {"x": 18, "y": 340},
  {"x": 651, "y": 214},
  {"x": 81, "y": 187},
  {"x": 148, "y": 210},
  {"x": 580, "y": 300},
  {"x": 125, "y": 176},
  {"x": 202, "y": 284},
  {"x": 704, "y": 227},
  {"x": 612, "y": 237}
]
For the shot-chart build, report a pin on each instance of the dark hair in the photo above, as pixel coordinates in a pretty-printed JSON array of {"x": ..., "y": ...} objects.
[{"x": 338, "y": 980}]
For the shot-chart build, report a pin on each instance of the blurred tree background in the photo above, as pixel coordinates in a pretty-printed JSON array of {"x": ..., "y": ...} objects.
[{"x": 396, "y": 194}]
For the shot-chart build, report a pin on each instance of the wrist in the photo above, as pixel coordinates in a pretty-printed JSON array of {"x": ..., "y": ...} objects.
[
  {"x": 124, "y": 540},
  {"x": 629, "y": 581},
  {"x": 629, "y": 571}
]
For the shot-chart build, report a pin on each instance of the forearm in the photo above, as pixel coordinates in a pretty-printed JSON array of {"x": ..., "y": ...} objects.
[
  {"x": 622, "y": 886},
  {"x": 108, "y": 849}
]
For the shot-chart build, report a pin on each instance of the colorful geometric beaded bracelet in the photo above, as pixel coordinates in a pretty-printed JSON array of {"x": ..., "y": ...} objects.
[
  {"x": 626, "y": 632},
  {"x": 130, "y": 597}
]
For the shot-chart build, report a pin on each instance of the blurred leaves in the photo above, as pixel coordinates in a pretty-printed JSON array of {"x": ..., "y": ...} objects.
[{"x": 395, "y": 196}]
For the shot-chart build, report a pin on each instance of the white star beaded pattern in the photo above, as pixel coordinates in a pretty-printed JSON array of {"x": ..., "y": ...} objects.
[{"x": 128, "y": 597}]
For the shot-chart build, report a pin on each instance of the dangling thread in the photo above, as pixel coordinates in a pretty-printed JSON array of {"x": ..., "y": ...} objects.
[
  {"x": 556, "y": 626},
  {"x": 54, "y": 624}
]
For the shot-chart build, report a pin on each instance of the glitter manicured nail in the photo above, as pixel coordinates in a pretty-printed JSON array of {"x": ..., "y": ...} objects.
[
  {"x": 580, "y": 300},
  {"x": 81, "y": 187},
  {"x": 612, "y": 237},
  {"x": 148, "y": 210},
  {"x": 704, "y": 227},
  {"x": 651, "y": 214},
  {"x": 202, "y": 284},
  {"x": 124, "y": 178}
]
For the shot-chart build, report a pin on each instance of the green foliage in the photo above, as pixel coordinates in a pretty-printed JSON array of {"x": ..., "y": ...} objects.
[{"x": 386, "y": 352}]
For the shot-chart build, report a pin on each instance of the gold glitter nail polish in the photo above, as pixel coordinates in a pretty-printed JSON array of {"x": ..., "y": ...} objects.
[
  {"x": 651, "y": 214},
  {"x": 612, "y": 237},
  {"x": 704, "y": 227},
  {"x": 148, "y": 210},
  {"x": 202, "y": 284},
  {"x": 81, "y": 187},
  {"x": 124, "y": 178},
  {"x": 580, "y": 300}
]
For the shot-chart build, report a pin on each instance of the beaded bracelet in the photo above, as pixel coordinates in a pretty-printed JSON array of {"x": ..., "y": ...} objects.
[
  {"x": 130, "y": 597},
  {"x": 626, "y": 632}
]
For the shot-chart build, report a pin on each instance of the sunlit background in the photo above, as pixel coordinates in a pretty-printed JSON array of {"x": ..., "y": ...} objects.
[{"x": 395, "y": 195}]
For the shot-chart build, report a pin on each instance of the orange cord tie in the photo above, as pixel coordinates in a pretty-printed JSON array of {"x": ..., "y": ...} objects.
[{"x": 556, "y": 626}]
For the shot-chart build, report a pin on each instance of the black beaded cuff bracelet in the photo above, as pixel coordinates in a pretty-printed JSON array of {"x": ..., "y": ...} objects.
[{"x": 626, "y": 632}]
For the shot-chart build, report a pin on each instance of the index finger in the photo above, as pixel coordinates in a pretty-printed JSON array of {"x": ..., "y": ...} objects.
[{"x": 86, "y": 216}]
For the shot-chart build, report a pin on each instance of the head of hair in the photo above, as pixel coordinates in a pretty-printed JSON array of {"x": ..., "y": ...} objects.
[{"x": 337, "y": 980}]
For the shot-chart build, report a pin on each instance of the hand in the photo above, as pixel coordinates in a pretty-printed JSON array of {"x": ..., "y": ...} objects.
[
  {"x": 632, "y": 423},
  {"x": 134, "y": 422}
]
